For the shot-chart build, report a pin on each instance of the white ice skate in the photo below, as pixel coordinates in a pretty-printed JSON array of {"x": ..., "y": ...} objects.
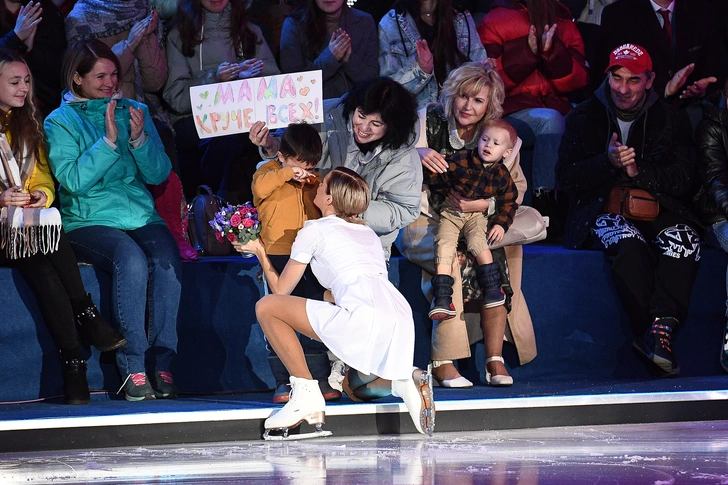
[
  {"x": 305, "y": 404},
  {"x": 416, "y": 393}
]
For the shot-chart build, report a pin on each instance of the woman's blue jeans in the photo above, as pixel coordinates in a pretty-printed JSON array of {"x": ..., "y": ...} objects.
[
  {"x": 146, "y": 283},
  {"x": 540, "y": 128}
]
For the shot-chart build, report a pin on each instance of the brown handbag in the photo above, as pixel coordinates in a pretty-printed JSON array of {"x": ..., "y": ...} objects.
[{"x": 632, "y": 203}]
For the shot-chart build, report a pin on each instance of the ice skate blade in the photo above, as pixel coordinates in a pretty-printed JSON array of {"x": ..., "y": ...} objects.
[
  {"x": 427, "y": 416},
  {"x": 314, "y": 419},
  {"x": 319, "y": 433}
]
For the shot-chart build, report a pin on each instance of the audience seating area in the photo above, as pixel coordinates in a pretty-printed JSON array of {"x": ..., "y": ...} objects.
[{"x": 581, "y": 331}]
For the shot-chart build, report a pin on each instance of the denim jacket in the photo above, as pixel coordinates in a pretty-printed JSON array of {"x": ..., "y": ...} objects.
[{"x": 398, "y": 56}]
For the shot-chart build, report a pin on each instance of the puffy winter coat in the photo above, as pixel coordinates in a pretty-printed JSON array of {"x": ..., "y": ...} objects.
[
  {"x": 394, "y": 175},
  {"x": 534, "y": 80},
  {"x": 100, "y": 185}
]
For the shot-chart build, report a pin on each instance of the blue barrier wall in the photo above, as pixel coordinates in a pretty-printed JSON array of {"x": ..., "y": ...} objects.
[{"x": 581, "y": 331}]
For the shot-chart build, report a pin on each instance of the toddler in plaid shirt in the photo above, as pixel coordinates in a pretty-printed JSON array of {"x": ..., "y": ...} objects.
[{"x": 474, "y": 175}]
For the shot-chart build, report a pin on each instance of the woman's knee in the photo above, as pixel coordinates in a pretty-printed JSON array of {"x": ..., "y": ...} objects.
[
  {"x": 551, "y": 122},
  {"x": 264, "y": 308}
]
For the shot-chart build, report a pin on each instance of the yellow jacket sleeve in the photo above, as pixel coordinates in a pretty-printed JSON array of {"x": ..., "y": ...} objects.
[
  {"x": 41, "y": 178},
  {"x": 267, "y": 179}
]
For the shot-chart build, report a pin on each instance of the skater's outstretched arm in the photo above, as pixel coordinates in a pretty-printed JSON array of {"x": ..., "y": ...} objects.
[{"x": 282, "y": 284}]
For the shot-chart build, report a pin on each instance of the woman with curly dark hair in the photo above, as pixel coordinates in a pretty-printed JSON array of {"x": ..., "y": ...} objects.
[
  {"x": 372, "y": 131},
  {"x": 212, "y": 41},
  {"x": 328, "y": 35}
]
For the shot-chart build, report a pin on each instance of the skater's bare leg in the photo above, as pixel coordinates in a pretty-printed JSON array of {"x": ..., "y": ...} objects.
[{"x": 280, "y": 317}]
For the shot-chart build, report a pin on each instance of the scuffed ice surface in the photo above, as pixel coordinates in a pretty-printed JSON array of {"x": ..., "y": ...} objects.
[{"x": 655, "y": 454}]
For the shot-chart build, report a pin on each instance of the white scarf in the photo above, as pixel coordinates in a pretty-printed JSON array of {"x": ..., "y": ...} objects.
[{"x": 24, "y": 232}]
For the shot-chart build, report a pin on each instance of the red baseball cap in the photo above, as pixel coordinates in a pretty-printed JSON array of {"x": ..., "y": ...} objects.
[{"x": 631, "y": 57}]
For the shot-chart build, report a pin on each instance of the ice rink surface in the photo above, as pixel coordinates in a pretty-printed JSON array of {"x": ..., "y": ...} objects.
[{"x": 655, "y": 454}]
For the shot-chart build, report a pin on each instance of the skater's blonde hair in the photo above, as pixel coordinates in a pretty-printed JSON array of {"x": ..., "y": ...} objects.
[{"x": 349, "y": 194}]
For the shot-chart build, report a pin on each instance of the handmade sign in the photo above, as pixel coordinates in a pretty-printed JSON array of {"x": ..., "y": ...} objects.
[{"x": 233, "y": 106}]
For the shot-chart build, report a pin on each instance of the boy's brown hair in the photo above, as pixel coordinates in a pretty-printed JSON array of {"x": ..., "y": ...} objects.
[
  {"x": 504, "y": 125},
  {"x": 301, "y": 141}
]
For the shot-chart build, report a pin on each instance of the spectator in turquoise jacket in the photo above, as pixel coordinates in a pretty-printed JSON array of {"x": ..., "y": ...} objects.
[{"x": 103, "y": 149}]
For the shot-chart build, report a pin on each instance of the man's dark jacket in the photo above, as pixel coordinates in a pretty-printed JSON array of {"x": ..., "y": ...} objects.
[
  {"x": 658, "y": 136},
  {"x": 712, "y": 149}
]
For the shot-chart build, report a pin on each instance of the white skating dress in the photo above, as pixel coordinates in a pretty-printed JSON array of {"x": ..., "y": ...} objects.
[{"x": 370, "y": 327}]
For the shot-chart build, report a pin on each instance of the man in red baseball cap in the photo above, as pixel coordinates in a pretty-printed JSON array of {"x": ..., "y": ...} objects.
[
  {"x": 630, "y": 76},
  {"x": 627, "y": 137}
]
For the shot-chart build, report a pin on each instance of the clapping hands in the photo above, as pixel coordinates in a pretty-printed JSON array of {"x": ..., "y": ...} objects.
[
  {"x": 547, "y": 39},
  {"x": 142, "y": 29},
  {"x": 695, "y": 90},
  {"x": 136, "y": 122},
  {"x": 29, "y": 16},
  {"x": 622, "y": 157},
  {"x": 340, "y": 45},
  {"x": 424, "y": 56},
  {"x": 229, "y": 71}
]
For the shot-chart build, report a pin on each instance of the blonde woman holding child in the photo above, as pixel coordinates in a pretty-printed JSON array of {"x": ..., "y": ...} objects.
[{"x": 471, "y": 97}]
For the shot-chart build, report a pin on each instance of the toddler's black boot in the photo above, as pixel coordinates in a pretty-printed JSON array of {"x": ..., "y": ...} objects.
[
  {"x": 490, "y": 282},
  {"x": 442, "y": 307}
]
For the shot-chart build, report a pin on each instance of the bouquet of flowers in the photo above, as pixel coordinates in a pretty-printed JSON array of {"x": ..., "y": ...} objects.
[{"x": 236, "y": 222}]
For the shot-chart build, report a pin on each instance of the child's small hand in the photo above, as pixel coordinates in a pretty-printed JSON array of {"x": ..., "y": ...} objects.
[
  {"x": 496, "y": 234},
  {"x": 301, "y": 175}
]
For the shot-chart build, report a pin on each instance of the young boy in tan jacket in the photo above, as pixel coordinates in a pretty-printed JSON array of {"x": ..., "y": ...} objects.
[{"x": 283, "y": 192}]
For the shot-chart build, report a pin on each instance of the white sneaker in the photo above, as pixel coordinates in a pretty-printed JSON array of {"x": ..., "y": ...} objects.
[
  {"x": 416, "y": 392},
  {"x": 338, "y": 371},
  {"x": 306, "y": 404}
]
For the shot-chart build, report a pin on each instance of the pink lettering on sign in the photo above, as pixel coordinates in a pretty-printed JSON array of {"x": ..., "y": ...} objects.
[
  {"x": 287, "y": 87},
  {"x": 267, "y": 90},
  {"x": 224, "y": 94},
  {"x": 245, "y": 92},
  {"x": 270, "y": 114}
]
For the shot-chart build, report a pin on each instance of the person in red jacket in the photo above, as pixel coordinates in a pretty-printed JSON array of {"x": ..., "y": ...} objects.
[{"x": 539, "y": 54}]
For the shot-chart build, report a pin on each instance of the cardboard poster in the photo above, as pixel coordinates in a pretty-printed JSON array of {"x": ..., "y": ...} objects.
[{"x": 232, "y": 107}]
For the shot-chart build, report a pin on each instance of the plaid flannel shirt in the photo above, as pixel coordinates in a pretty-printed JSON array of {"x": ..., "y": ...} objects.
[{"x": 472, "y": 179}]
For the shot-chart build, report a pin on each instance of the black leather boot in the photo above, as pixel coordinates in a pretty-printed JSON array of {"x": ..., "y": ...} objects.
[
  {"x": 95, "y": 329},
  {"x": 75, "y": 384}
]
